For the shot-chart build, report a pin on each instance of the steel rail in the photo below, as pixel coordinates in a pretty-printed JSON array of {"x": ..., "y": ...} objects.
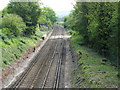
[{"x": 24, "y": 75}]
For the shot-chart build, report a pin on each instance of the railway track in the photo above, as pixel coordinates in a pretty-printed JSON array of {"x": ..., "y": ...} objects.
[
  {"x": 45, "y": 70},
  {"x": 57, "y": 68}
]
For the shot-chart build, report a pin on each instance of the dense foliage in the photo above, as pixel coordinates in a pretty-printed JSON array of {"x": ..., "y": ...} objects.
[
  {"x": 0, "y": 19},
  {"x": 22, "y": 24},
  {"x": 98, "y": 24},
  {"x": 47, "y": 18},
  {"x": 28, "y": 11},
  {"x": 33, "y": 16},
  {"x": 12, "y": 25},
  {"x": 50, "y": 14}
]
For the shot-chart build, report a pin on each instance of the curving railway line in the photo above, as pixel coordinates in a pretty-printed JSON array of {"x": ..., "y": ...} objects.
[{"x": 47, "y": 68}]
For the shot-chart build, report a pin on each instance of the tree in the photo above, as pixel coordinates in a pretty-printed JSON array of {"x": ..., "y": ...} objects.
[
  {"x": 29, "y": 11},
  {"x": 65, "y": 21},
  {"x": 47, "y": 18},
  {"x": 43, "y": 20},
  {"x": 50, "y": 14},
  {"x": 4, "y": 11},
  {"x": 98, "y": 24},
  {"x": 13, "y": 25},
  {"x": 0, "y": 19}
]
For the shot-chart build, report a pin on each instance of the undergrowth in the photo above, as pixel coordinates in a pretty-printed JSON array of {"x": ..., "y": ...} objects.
[
  {"x": 13, "y": 48},
  {"x": 93, "y": 70}
]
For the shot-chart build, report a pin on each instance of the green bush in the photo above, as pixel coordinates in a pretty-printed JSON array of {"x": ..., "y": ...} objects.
[
  {"x": 71, "y": 32},
  {"x": 12, "y": 25}
]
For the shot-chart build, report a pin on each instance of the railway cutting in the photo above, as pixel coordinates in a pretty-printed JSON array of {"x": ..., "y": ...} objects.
[{"x": 47, "y": 69}]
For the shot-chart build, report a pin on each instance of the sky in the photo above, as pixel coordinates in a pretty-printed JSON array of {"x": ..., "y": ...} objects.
[
  {"x": 61, "y": 7},
  {"x": 3, "y": 3}
]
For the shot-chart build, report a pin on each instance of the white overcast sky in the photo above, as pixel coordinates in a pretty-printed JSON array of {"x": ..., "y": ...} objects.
[
  {"x": 3, "y": 3},
  {"x": 61, "y": 7}
]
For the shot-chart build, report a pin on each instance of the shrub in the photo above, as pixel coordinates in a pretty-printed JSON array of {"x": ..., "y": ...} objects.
[{"x": 12, "y": 25}]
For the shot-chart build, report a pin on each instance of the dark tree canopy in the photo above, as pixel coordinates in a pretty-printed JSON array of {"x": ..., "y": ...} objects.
[
  {"x": 50, "y": 14},
  {"x": 98, "y": 24},
  {"x": 29, "y": 11}
]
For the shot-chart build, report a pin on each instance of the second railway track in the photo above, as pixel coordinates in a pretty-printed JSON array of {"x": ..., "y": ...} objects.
[{"x": 45, "y": 70}]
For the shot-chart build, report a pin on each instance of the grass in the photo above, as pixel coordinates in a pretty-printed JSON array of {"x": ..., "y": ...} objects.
[
  {"x": 13, "y": 48},
  {"x": 90, "y": 71}
]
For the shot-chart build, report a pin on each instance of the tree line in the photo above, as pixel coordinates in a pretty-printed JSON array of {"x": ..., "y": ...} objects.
[
  {"x": 23, "y": 18},
  {"x": 98, "y": 24}
]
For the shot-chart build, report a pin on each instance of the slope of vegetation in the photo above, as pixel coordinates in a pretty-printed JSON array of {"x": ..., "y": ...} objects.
[
  {"x": 92, "y": 70},
  {"x": 23, "y": 24},
  {"x": 95, "y": 25},
  {"x": 13, "y": 48},
  {"x": 98, "y": 24}
]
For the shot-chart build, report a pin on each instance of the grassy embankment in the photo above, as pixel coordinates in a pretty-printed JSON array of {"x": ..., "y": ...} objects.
[
  {"x": 92, "y": 70},
  {"x": 13, "y": 48}
]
